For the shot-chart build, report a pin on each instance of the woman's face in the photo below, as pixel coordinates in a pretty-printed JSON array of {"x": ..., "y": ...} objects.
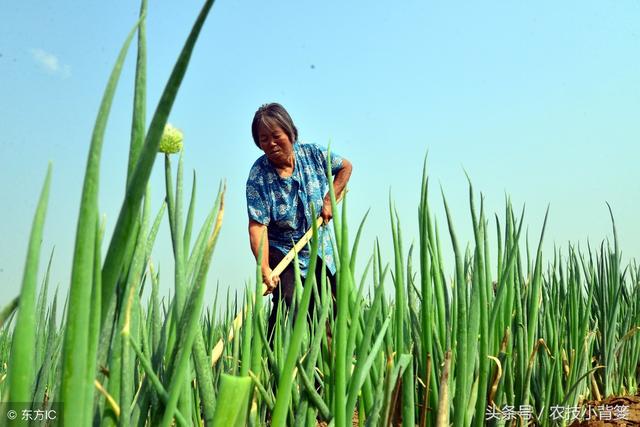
[{"x": 275, "y": 143}]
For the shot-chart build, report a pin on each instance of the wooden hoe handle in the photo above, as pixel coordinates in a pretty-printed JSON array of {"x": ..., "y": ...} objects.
[{"x": 284, "y": 263}]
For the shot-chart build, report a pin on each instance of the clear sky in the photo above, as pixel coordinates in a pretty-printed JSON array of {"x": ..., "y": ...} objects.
[{"x": 538, "y": 100}]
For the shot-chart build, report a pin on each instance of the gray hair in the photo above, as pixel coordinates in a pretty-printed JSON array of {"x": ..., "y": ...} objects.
[{"x": 270, "y": 115}]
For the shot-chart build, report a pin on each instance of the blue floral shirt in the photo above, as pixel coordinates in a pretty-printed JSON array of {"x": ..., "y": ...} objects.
[{"x": 284, "y": 204}]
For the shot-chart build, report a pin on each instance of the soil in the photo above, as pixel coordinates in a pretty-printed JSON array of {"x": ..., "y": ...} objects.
[
  {"x": 631, "y": 416},
  {"x": 354, "y": 421}
]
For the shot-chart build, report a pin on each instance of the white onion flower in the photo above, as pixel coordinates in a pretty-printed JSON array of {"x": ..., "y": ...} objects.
[{"x": 171, "y": 141}]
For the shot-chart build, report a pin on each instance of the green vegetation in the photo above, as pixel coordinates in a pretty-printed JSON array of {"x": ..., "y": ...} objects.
[{"x": 501, "y": 329}]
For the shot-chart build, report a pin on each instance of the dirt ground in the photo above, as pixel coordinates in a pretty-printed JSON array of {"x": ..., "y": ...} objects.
[
  {"x": 631, "y": 415},
  {"x": 354, "y": 421}
]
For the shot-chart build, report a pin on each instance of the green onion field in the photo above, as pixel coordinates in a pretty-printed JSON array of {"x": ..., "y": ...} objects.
[{"x": 511, "y": 336}]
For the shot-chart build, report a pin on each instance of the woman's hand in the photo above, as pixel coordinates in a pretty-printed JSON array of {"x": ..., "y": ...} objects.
[
  {"x": 267, "y": 279},
  {"x": 326, "y": 213},
  {"x": 257, "y": 234},
  {"x": 339, "y": 182}
]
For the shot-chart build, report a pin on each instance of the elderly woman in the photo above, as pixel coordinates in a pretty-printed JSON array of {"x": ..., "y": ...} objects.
[{"x": 283, "y": 184}]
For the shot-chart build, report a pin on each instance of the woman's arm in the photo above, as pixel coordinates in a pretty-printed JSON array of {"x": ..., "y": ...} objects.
[
  {"x": 256, "y": 231},
  {"x": 339, "y": 182}
]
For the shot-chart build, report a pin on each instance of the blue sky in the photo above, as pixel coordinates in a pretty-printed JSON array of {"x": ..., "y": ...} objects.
[{"x": 538, "y": 100}]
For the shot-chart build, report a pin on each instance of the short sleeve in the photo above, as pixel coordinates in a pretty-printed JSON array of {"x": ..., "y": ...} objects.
[
  {"x": 257, "y": 205},
  {"x": 336, "y": 160}
]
